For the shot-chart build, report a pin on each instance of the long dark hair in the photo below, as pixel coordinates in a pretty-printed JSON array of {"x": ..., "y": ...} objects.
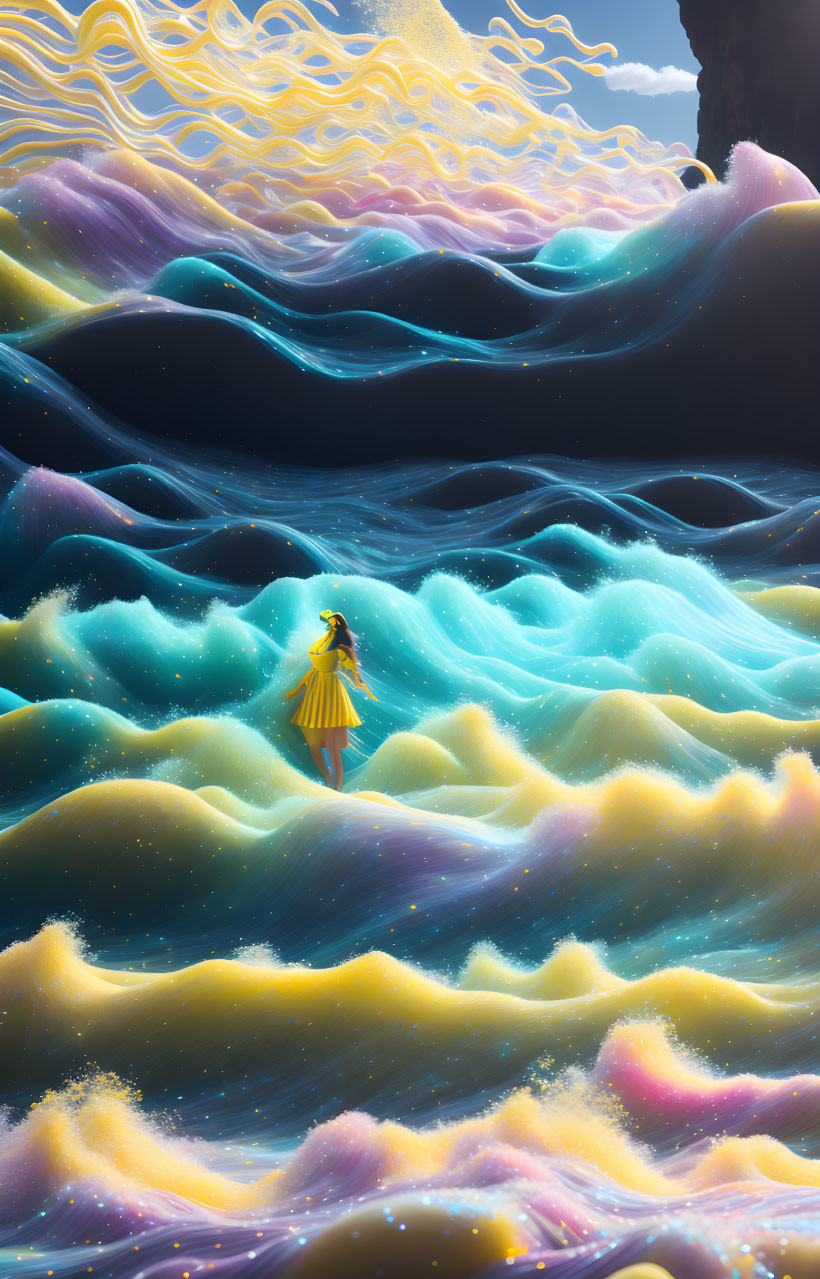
[{"x": 342, "y": 637}]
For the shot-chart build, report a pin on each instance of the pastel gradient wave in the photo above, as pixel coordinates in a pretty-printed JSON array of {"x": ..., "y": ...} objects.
[
  {"x": 537, "y": 991},
  {"x": 332, "y": 194}
]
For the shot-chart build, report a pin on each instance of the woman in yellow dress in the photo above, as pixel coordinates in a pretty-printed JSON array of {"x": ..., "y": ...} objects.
[{"x": 326, "y": 711}]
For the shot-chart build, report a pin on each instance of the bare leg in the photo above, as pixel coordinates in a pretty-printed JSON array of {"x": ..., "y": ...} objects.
[
  {"x": 318, "y": 757},
  {"x": 336, "y": 767},
  {"x": 313, "y": 737},
  {"x": 336, "y": 741}
]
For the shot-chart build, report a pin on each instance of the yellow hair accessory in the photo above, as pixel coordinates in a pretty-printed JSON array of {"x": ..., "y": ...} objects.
[{"x": 334, "y": 619}]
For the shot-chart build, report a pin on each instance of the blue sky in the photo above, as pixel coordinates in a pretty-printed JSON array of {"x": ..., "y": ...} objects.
[{"x": 644, "y": 31}]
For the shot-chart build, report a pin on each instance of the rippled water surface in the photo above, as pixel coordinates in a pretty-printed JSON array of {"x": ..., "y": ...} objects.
[{"x": 538, "y": 990}]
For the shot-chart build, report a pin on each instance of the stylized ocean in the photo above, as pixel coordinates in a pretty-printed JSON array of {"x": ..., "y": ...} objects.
[
  {"x": 539, "y": 988},
  {"x": 538, "y": 991},
  {"x": 335, "y": 247}
]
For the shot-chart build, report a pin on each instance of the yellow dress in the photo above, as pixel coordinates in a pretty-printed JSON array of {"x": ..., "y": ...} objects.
[{"x": 326, "y": 702}]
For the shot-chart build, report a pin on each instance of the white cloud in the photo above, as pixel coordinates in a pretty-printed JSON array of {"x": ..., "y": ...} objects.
[{"x": 637, "y": 77}]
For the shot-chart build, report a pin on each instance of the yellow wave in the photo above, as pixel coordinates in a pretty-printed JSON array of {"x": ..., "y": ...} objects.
[
  {"x": 651, "y": 1045},
  {"x": 616, "y": 732},
  {"x": 793, "y": 606},
  {"x": 462, "y": 771},
  {"x": 622, "y": 726},
  {"x": 95, "y": 1128},
  {"x": 67, "y": 1011},
  {"x": 27, "y": 298}
]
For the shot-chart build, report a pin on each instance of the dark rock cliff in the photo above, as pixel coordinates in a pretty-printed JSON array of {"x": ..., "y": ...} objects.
[{"x": 760, "y": 79}]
